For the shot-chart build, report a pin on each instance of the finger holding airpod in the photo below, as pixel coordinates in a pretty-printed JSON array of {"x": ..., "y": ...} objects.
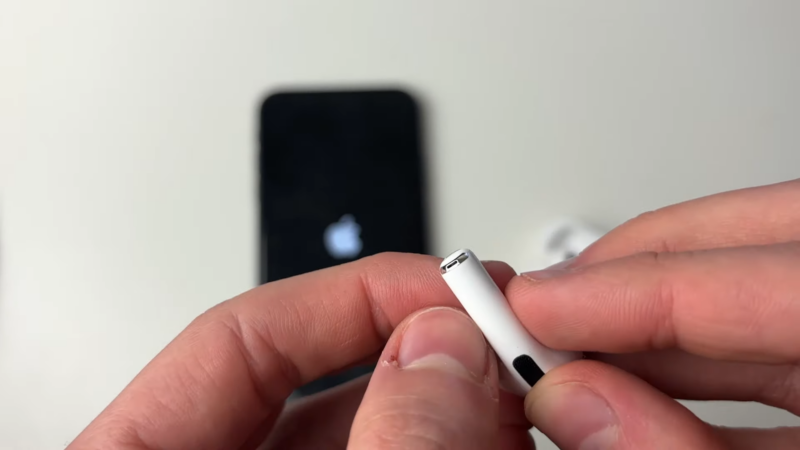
[
  {"x": 591, "y": 405},
  {"x": 436, "y": 386}
]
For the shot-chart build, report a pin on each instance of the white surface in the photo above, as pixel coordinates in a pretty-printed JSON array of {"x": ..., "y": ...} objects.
[
  {"x": 488, "y": 307},
  {"x": 127, "y": 149}
]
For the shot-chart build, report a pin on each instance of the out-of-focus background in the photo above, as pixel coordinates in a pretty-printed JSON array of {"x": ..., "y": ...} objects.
[{"x": 128, "y": 150}]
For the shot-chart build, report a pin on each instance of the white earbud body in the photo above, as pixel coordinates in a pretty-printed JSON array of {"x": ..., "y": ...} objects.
[{"x": 524, "y": 359}]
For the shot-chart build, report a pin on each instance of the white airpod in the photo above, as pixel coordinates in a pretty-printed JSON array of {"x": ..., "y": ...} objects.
[
  {"x": 525, "y": 360},
  {"x": 567, "y": 238}
]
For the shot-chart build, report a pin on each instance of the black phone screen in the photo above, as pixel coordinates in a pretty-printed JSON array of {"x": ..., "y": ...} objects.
[{"x": 341, "y": 178}]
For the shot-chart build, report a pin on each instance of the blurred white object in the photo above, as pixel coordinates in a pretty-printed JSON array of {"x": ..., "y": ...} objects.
[{"x": 567, "y": 238}]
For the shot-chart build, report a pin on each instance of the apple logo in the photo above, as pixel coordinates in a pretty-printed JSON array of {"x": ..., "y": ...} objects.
[{"x": 342, "y": 238}]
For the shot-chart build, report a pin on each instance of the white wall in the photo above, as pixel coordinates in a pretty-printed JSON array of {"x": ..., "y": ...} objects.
[{"x": 127, "y": 149}]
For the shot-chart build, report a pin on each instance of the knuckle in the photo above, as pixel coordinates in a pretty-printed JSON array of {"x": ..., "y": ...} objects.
[
  {"x": 644, "y": 217},
  {"x": 408, "y": 422},
  {"x": 640, "y": 229},
  {"x": 257, "y": 348},
  {"x": 660, "y": 301},
  {"x": 639, "y": 221},
  {"x": 379, "y": 259},
  {"x": 664, "y": 335}
]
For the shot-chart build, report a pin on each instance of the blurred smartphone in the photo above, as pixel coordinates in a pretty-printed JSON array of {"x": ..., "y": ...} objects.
[{"x": 341, "y": 178}]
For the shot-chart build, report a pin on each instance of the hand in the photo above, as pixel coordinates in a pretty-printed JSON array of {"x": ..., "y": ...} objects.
[
  {"x": 699, "y": 300},
  {"x": 221, "y": 384}
]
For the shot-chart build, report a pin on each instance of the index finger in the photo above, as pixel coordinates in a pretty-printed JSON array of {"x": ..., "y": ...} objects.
[
  {"x": 761, "y": 215},
  {"x": 222, "y": 381},
  {"x": 732, "y": 304}
]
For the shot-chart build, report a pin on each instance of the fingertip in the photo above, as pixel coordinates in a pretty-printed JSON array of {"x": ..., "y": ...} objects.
[
  {"x": 583, "y": 372},
  {"x": 549, "y": 310},
  {"x": 589, "y": 404},
  {"x": 567, "y": 406},
  {"x": 575, "y": 416},
  {"x": 521, "y": 288},
  {"x": 443, "y": 339},
  {"x": 500, "y": 272},
  {"x": 437, "y": 384}
]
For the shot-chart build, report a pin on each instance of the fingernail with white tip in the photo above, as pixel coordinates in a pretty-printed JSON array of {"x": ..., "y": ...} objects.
[
  {"x": 444, "y": 339},
  {"x": 575, "y": 417}
]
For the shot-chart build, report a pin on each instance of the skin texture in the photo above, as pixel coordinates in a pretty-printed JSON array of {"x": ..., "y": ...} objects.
[
  {"x": 223, "y": 381},
  {"x": 694, "y": 301},
  {"x": 699, "y": 300}
]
